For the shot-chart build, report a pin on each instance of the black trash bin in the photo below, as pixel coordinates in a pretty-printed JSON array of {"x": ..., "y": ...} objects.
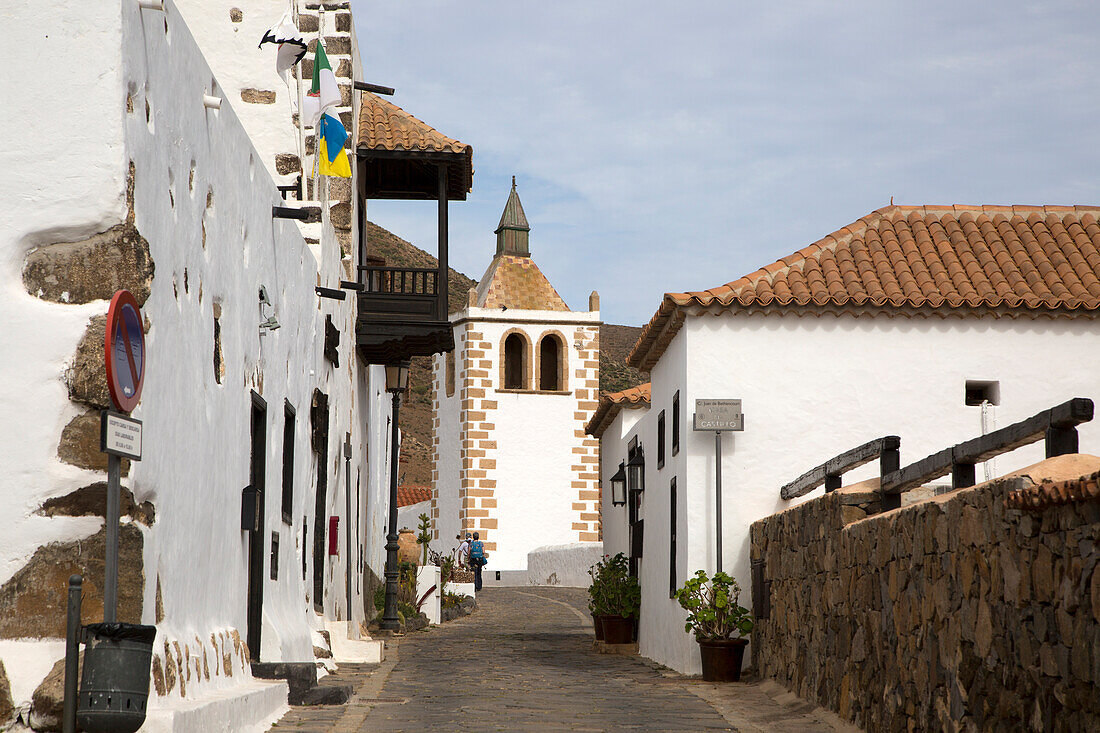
[{"x": 114, "y": 683}]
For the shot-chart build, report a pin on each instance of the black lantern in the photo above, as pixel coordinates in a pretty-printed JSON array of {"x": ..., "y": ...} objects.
[
  {"x": 618, "y": 486},
  {"x": 635, "y": 470},
  {"x": 397, "y": 377}
]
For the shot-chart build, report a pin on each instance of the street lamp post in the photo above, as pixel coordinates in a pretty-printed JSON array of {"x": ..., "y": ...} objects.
[{"x": 397, "y": 380}]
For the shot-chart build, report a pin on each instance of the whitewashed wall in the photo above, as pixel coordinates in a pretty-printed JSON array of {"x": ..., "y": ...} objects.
[
  {"x": 196, "y": 449},
  {"x": 447, "y": 440},
  {"x": 613, "y": 451},
  {"x": 813, "y": 387},
  {"x": 47, "y": 203},
  {"x": 563, "y": 565}
]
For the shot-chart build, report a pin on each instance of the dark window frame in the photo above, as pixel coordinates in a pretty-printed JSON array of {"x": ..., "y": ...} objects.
[
  {"x": 661, "y": 440},
  {"x": 515, "y": 363},
  {"x": 672, "y": 538},
  {"x": 290, "y": 420},
  {"x": 676, "y": 423}
]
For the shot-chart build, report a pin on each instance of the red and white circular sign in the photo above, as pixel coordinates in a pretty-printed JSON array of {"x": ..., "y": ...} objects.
[{"x": 124, "y": 349}]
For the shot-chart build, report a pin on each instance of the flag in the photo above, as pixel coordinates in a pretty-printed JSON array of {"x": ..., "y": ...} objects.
[
  {"x": 292, "y": 49},
  {"x": 332, "y": 159},
  {"x": 324, "y": 92}
]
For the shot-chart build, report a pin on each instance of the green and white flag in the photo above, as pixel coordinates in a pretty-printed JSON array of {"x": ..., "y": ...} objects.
[{"x": 324, "y": 92}]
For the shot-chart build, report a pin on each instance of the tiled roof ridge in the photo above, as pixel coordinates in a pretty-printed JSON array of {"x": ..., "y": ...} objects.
[
  {"x": 612, "y": 402},
  {"x": 367, "y": 126},
  {"x": 636, "y": 394},
  {"x": 1052, "y": 493},
  {"x": 926, "y": 257}
]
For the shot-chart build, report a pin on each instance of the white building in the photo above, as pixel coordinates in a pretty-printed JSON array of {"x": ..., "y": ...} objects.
[
  {"x": 149, "y": 178},
  {"x": 511, "y": 458},
  {"x": 902, "y": 323}
]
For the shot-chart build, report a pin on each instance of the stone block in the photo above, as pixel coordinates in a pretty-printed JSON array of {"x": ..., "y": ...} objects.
[
  {"x": 340, "y": 215},
  {"x": 287, "y": 163},
  {"x": 343, "y": 22},
  {"x": 345, "y": 95},
  {"x": 6, "y": 704},
  {"x": 91, "y": 501},
  {"x": 33, "y": 601},
  {"x": 48, "y": 699},
  {"x": 235, "y": 15},
  {"x": 91, "y": 269},
  {"x": 307, "y": 24},
  {"x": 79, "y": 445},
  {"x": 339, "y": 189},
  {"x": 258, "y": 96},
  {"x": 86, "y": 377},
  {"x": 343, "y": 69}
]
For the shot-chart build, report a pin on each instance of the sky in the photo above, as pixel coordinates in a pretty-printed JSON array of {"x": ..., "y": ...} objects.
[{"x": 672, "y": 146}]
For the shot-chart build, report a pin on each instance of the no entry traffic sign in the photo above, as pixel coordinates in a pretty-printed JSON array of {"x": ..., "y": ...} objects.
[{"x": 125, "y": 351}]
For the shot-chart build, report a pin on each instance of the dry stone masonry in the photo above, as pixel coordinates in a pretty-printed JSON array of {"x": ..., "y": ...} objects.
[{"x": 954, "y": 613}]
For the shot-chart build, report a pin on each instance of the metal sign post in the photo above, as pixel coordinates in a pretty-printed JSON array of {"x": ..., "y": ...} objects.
[
  {"x": 719, "y": 416},
  {"x": 120, "y": 436}
]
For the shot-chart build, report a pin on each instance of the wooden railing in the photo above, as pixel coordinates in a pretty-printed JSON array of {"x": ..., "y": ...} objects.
[
  {"x": 1057, "y": 426},
  {"x": 399, "y": 280},
  {"x": 885, "y": 449}
]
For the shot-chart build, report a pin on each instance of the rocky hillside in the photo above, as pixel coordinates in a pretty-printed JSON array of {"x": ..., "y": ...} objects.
[{"x": 416, "y": 412}]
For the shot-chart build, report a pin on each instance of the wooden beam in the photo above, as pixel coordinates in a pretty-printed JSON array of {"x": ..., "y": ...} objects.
[
  {"x": 830, "y": 471},
  {"x": 1057, "y": 420},
  {"x": 374, "y": 88},
  {"x": 441, "y": 254}
]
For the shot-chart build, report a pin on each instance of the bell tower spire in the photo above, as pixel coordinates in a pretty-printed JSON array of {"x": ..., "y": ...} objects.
[{"x": 513, "y": 230}]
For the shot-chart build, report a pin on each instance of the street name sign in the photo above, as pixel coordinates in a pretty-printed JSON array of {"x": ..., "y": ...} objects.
[
  {"x": 120, "y": 435},
  {"x": 124, "y": 349},
  {"x": 718, "y": 415}
]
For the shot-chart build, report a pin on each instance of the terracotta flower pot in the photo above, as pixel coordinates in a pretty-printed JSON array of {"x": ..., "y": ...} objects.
[
  {"x": 617, "y": 630},
  {"x": 597, "y": 626},
  {"x": 722, "y": 659}
]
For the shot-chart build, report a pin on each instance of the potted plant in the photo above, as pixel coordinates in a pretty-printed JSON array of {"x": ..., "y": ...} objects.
[
  {"x": 719, "y": 622},
  {"x": 615, "y": 599}
]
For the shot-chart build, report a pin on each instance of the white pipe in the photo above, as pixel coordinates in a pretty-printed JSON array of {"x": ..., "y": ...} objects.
[
  {"x": 211, "y": 102},
  {"x": 151, "y": 4}
]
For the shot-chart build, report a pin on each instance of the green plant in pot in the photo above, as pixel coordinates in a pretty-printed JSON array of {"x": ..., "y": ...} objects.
[
  {"x": 614, "y": 599},
  {"x": 720, "y": 624}
]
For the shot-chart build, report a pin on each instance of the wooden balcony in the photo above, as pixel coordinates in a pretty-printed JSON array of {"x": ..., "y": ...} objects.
[{"x": 402, "y": 313}]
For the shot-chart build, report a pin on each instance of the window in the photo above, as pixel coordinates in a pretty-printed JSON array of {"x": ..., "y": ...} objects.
[
  {"x": 672, "y": 538},
  {"x": 661, "y": 440},
  {"x": 450, "y": 375},
  {"x": 288, "y": 462},
  {"x": 550, "y": 371},
  {"x": 978, "y": 392},
  {"x": 515, "y": 362},
  {"x": 676, "y": 423}
]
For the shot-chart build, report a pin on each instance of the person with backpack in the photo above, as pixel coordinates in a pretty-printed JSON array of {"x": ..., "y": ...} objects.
[
  {"x": 464, "y": 552},
  {"x": 478, "y": 558}
]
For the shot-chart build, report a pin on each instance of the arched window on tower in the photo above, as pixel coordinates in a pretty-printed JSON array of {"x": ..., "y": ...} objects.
[
  {"x": 550, "y": 371},
  {"x": 515, "y": 358}
]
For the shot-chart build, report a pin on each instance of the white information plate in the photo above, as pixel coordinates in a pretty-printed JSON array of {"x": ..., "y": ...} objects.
[
  {"x": 120, "y": 435},
  {"x": 718, "y": 415}
]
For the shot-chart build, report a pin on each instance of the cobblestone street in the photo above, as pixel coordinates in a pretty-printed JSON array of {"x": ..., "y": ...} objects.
[{"x": 524, "y": 661}]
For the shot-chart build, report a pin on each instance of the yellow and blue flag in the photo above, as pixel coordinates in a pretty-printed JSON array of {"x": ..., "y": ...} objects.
[{"x": 332, "y": 159}]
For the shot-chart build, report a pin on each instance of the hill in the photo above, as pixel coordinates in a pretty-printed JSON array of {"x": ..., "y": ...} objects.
[{"x": 416, "y": 411}]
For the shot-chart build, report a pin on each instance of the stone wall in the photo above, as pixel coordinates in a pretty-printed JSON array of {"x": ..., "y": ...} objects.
[{"x": 953, "y": 613}]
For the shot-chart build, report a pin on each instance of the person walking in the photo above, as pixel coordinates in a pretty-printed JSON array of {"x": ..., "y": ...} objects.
[
  {"x": 478, "y": 558},
  {"x": 464, "y": 552}
]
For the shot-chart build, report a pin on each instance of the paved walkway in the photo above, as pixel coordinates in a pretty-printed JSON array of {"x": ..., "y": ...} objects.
[{"x": 524, "y": 662}]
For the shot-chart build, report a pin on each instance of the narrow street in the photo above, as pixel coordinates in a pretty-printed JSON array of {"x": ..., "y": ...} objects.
[{"x": 524, "y": 661}]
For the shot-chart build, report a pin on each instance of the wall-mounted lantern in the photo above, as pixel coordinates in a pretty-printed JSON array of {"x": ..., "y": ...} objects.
[
  {"x": 618, "y": 486},
  {"x": 397, "y": 377}
]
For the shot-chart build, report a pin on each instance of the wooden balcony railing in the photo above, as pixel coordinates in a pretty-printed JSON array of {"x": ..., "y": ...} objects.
[{"x": 399, "y": 280}]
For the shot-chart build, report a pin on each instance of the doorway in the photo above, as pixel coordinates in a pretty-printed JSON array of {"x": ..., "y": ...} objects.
[{"x": 256, "y": 476}]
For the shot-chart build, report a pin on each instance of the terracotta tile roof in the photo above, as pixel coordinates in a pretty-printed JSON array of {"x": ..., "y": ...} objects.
[
  {"x": 385, "y": 126},
  {"x": 514, "y": 281},
  {"x": 1051, "y": 493},
  {"x": 408, "y": 494},
  {"x": 1028, "y": 258},
  {"x": 612, "y": 403}
]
